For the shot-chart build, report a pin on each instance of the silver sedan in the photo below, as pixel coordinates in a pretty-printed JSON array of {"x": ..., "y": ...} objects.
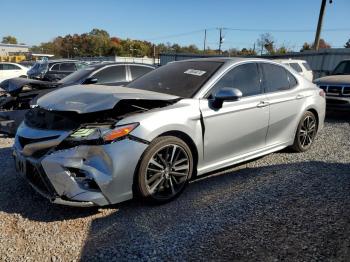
[{"x": 98, "y": 146}]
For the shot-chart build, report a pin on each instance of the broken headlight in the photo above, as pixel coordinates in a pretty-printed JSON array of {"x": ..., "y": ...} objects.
[{"x": 101, "y": 135}]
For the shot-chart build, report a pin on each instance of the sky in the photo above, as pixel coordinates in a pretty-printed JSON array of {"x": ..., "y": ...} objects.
[{"x": 178, "y": 21}]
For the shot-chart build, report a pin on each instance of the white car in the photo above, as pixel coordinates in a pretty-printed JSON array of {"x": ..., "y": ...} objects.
[
  {"x": 10, "y": 70},
  {"x": 301, "y": 66}
]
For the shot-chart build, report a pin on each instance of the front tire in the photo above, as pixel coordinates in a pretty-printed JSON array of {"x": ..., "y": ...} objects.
[
  {"x": 306, "y": 132},
  {"x": 165, "y": 169}
]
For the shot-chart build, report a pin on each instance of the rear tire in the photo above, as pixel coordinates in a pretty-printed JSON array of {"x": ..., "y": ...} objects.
[
  {"x": 306, "y": 132},
  {"x": 164, "y": 170}
]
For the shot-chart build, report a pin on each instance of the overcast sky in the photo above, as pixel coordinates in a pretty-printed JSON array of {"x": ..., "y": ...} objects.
[{"x": 180, "y": 21}]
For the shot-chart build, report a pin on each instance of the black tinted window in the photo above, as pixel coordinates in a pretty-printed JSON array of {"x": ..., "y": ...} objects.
[
  {"x": 275, "y": 78},
  {"x": 10, "y": 67},
  {"x": 56, "y": 67},
  {"x": 296, "y": 67},
  {"x": 111, "y": 74},
  {"x": 182, "y": 79},
  {"x": 307, "y": 67},
  {"x": 137, "y": 71},
  {"x": 343, "y": 68},
  {"x": 292, "y": 81},
  {"x": 244, "y": 77},
  {"x": 68, "y": 67}
]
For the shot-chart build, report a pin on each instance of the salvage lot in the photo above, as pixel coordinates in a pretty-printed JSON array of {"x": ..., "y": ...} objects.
[{"x": 284, "y": 206}]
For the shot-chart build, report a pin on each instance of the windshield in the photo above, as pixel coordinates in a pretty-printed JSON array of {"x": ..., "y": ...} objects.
[
  {"x": 182, "y": 79},
  {"x": 77, "y": 77},
  {"x": 343, "y": 68}
]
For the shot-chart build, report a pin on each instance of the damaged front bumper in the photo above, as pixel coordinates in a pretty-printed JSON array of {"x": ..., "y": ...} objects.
[{"x": 78, "y": 176}]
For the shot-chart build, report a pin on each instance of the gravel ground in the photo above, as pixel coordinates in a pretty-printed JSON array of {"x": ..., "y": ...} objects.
[{"x": 282, "y": 207}]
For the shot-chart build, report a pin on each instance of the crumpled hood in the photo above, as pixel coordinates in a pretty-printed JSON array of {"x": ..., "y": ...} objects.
[
  {"x": 15, "y": 85},
  {"x": 94, "y": 98},
  {"x": 333, "y": 80}
]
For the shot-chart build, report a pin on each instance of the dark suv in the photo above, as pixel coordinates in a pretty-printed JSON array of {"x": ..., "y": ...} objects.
[
  {"x": 54, "y": 70},
  {"x": 337, "y": 86}
]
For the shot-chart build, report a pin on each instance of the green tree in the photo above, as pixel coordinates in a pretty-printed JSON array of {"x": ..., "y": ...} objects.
[{"x": 9, "y": 40}]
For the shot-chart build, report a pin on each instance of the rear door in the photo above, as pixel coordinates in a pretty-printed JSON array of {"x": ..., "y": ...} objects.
[
  {"x": 238, "y": 127},
  {"x": 285, "y": 102}
]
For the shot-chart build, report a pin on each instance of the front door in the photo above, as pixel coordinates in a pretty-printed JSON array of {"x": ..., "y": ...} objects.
[{"x": 238, "y": 127}]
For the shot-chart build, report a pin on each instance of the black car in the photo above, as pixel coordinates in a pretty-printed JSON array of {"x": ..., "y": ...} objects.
[
  {"x": 54, "y": 70},
  {"x": 18, "y": 94}
]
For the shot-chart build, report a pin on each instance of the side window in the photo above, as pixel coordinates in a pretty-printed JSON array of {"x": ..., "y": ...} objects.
[
  {"x": 1, "y": 67},
  {"x": 275, "y": 78},
  {"x": 296, "y": 67},
  {"x": 67, "y": 67},
  {"x": 111, "y": 74},
  {"x": 243, "y": 77},
  {"x": 56, "y": 67},
  {"x": 137, "y": 71},
  {"x": 10, "y": 67}
]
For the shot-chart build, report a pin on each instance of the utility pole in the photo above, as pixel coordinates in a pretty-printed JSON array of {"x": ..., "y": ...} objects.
[
  {"x": 205, "y": 40},
  {"x": 221, "y": 40},
  {"x": 319, "y": 24}
]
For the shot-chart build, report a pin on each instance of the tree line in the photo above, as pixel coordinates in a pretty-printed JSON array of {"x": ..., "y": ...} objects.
[{"x": 99, "y": 43}]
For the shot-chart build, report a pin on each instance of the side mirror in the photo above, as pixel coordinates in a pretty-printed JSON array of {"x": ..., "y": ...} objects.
[
  {"x": 226, "y": 94},
  {"x": 90, "y": 80}
]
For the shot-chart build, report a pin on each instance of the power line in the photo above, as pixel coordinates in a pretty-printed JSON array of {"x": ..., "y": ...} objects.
[
  {"x": 285, "y": 31},
  {"x": 248, "y": 30}
]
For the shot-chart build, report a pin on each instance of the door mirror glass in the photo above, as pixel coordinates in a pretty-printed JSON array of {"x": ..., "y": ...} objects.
[
  {"x": 226, "y": 94},
  {"x": 90, "y": 80}
]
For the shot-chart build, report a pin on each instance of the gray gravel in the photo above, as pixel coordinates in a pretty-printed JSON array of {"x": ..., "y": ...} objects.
[{"x": 282, "y": 207}]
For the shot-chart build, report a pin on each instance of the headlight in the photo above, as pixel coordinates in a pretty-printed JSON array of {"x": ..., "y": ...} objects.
[{"x": 101, "y": 135}]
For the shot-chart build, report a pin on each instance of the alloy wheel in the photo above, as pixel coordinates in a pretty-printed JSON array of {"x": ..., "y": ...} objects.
[
  {"x": 167, "y": 171},
  {"x": 307, "y": 131}
]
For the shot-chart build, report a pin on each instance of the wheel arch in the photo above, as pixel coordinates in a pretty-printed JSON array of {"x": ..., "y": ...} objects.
[{"x": 189, "y": 141}]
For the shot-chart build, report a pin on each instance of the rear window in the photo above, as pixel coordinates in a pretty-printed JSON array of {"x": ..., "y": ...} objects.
[
  {"x": 183, "y": 79},
  {"x": 296, "y": 67},
  {"x": 307, "y": 67}
]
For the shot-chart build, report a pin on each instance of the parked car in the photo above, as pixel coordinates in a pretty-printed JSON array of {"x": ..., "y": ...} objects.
[
  {"x": 301, "y": 66},
  {"x": 99, "y": 145},
  {"x": 337, "y": 86},
  {"x": 54, "y": 70},
  {"x": 17, "y": 94},
  {"x": 10, "y": 70}
]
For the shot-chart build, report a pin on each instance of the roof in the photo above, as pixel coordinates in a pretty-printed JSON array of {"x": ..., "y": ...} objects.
[
  {"x": 100, "y": 65},
  {"x": 289, "y": 60},
  {"x": 226, "y": 59}
]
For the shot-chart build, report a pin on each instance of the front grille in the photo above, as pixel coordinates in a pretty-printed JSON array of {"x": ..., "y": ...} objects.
[
  {"x": 26, "y": 141},
  {"x": 336, "y": 90},
  {"x": 37, "y": 177}
]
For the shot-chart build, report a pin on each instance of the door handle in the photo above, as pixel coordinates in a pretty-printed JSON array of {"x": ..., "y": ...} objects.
[
  {"x": 262, "y": 104},
  {"x": 299, "y": 96}
]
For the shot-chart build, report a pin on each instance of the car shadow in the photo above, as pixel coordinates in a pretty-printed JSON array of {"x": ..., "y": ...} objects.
[
  {"x": 269, "y": 210},
  {"x": 337, "y": 116}
]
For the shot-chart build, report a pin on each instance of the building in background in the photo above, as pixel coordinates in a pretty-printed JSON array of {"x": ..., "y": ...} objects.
[{"x": 13, "y": 49}]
